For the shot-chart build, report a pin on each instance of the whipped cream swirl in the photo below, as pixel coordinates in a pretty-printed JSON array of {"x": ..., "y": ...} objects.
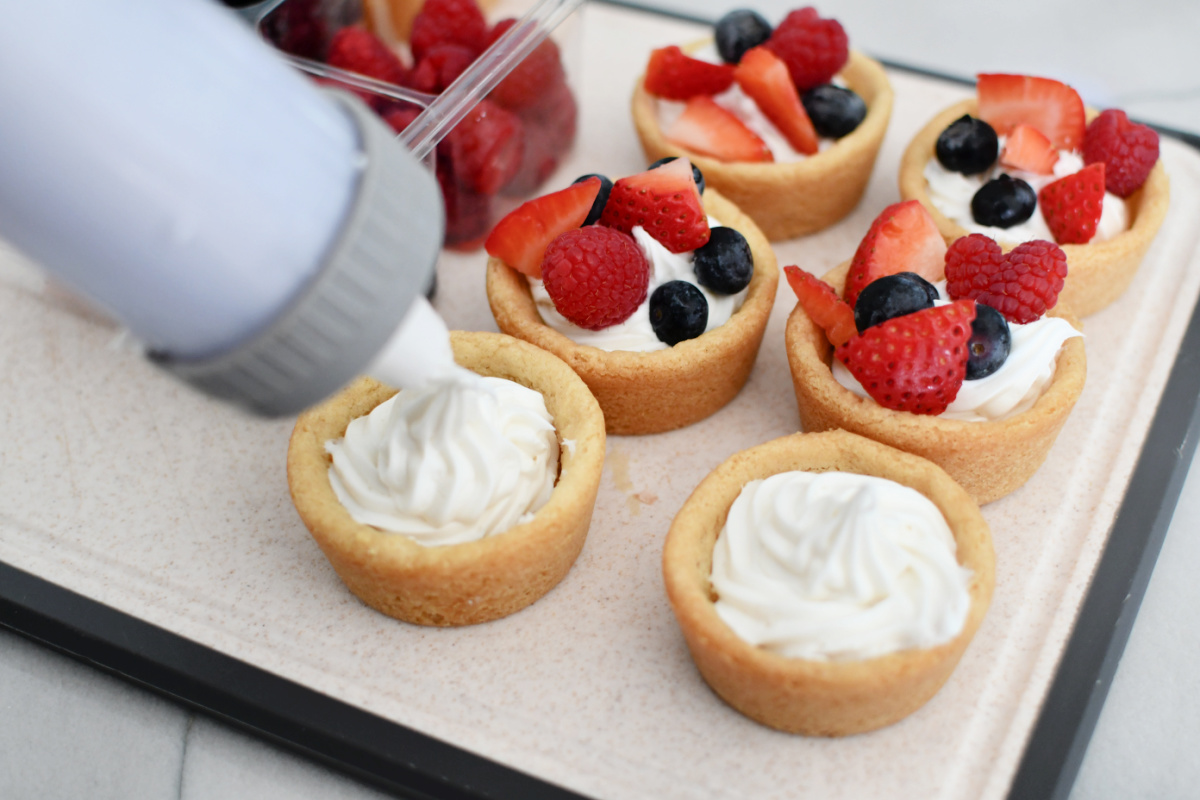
[
  {"x": 838, "y": 567},
  {"x": 451, "y": 461}
]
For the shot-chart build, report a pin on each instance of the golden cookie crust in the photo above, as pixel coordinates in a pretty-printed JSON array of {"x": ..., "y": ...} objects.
[
  {"x": 989, "y": 459},
  {"x": 791, "y": 199},
  {"x": 473, "y": 582},
  {"x": 817, "y": 698},
  {"x": 1097, "y": 272},
  {"x": 666, "y": 389}
]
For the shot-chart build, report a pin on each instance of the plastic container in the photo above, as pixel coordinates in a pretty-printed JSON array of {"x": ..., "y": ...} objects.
[{"x": 491, "y": 141}]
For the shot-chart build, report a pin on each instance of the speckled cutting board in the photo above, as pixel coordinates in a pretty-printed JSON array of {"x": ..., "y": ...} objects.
[{"x": 130, "y": 489}]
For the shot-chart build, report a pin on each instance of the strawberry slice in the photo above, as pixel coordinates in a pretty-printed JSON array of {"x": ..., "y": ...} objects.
[
  {"x": 823, "y": 306},
  {"x": 1072, "y": 205},
  {"x": 706, "y": 128},
  {"x": 915, "y": 362},
  {"x": 674, "y": 75},
  {"x": 1029, "y": 149},
  {"x": 1055, "y": 109},
  {"x": 520, "y": 239},
  {"x": 664, "y": 201},
  {"x": 903, "y": 238},
  {"x": 765, "y": 77}
]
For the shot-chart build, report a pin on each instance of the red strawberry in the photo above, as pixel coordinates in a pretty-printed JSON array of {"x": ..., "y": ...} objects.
[
  {"x": 486, "y": 147},
  {"x": 520, "y": 239},
  {"x": 903, "y": 238},
  {"x": 1022, "y": 284},
  {"x": 823, "y": 306},
  {"x": 531, "y": 83},
  {"x": 596, "y": 276},
  {"x": 814, "y": 49},
  {"x": 1055, "y": 109},
  {"x": 1028, "y": 149},
  {"x": 674, "y": 75},
  {"x": 1127, "y": 149},
  {"x": 448, "y": 22},
  {"x": 359, "y": 50},
  {"x": 915, "y": 362},
  {"x": 438, "y": 68},
  {"x": 1072, "y": 205},
  {"x": 664, "y": 201},
  {"x": 708, "y": 129},
  {"x": 764, "y": 77}
]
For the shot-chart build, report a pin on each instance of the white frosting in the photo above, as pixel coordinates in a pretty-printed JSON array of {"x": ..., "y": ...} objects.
[
  {"x": 951, "y": 194},
  {"x": 1008, "y": 391},
  {"x": 448, "y": 462},
  {"x": 636, "y": 333},
  {"x": 839, "y": 567}
]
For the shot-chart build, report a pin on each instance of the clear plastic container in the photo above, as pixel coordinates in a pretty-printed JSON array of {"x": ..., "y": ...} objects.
[{"x": 493, "y": 136}]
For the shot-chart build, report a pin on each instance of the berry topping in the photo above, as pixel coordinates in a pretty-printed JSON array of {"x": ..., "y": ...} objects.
[
  {"x": 665, "y": 202},
  {"x": 968, "y": 145},
  {"x": 903, "y": 238},
  {"x": 725, "y": 264},
  {"x": 358, "y": 50},
  {"x": 813, "y": 48},
  {"x": 764, "y": 77},
  {"x": 520, "y": 239},
  {"x": 738, "y": 31},
  {"x": 834, "y": 111},
  {"x": 601, "y": 198},
  {"x": 990, "y": 343},
  {"x": 1003, "y": 202},
  {"x": 1127, "y": 149},
  {"x": 439, "y": 67},
  {"x": 1072, "y": 205},
  {"x": 1028, "y": 149},
  {"x": 448, "y": 22},
  {"x": 916, "y": 362},
  {"x": 697, "y": 175},
  {"x": 674, "y": 75},
  {"x": 892, "y": 296},
  {"x": 706, "y": 128},
  {"x": 1021, "y": 284},
  {"x": 823, "y": 306},
  {"x": 1055, "y": 109},
  {"x": 678, "y": 312},
  {"x": 596, "y": 276},
  {"x": 486, "y": 147}
]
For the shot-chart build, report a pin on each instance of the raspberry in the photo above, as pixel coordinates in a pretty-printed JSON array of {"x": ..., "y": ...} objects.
[
  {"x": 813, "y": 48},
  {"x": 533, "y": 82},
  {"x": 1072, "y": 204},
  {"x": 486, "y": 147},
  {"x": 596, "y": 276},
  {"x": 1127, "y": 149},
  {"x": 359, "y": 50},
  {"x": 1022, "y": 284},
  {"x": 401, "y": 116},
  {"x": 297, "y": 27},
  {"x": 441, "y": 64},
  {"x": 468, "y": 213},
  {"x": 916, "y": 362},
  {"x": 448, "y": 22}
]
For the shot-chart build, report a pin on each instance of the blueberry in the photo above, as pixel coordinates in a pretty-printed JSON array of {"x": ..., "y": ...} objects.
[
  {"x": 697, "y": 175},
  {"x": 1003, "y": 202},
  {"x": 601, "y": 199},
  {"x": 738, "y": 31},
  {"x": 968, "y": 145},
  {"x": 724, "y": 264},
  {"x": 990, "y": 341},
  {"x": 892, "y": 296},
  {"x": 834, "y": 111},
  {"x": 678, "y": 311}
]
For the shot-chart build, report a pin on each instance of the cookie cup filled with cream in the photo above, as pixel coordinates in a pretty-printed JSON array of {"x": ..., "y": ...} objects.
[
  {"x": 990, "y": 458},
  {"x": 795, "y": 198},
  {"x": 472, "y": 581},
  {"x": 660, "y": 390},
  {"x": 831, "y": 696},
  {"x": 1100, "y": 270}
]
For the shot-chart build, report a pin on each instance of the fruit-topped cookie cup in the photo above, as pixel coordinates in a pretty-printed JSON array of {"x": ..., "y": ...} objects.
[
  {"x": 978, "y": 375},
  {"x": 655, "y": 289},
  {"x": 1024, "y": 159},
  {"x": 786, "y": 122}
]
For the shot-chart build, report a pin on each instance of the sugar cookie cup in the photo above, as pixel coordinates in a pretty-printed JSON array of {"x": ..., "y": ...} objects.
[
  {"x": 1099, "y": 272},
  {"x": 473, "y": 582},
  {"x": 792, "y": 199},
  {"x": 817, "y": 698},
  {"x": 643, "y": 393},
  {"x": 989, "y": 459}
]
